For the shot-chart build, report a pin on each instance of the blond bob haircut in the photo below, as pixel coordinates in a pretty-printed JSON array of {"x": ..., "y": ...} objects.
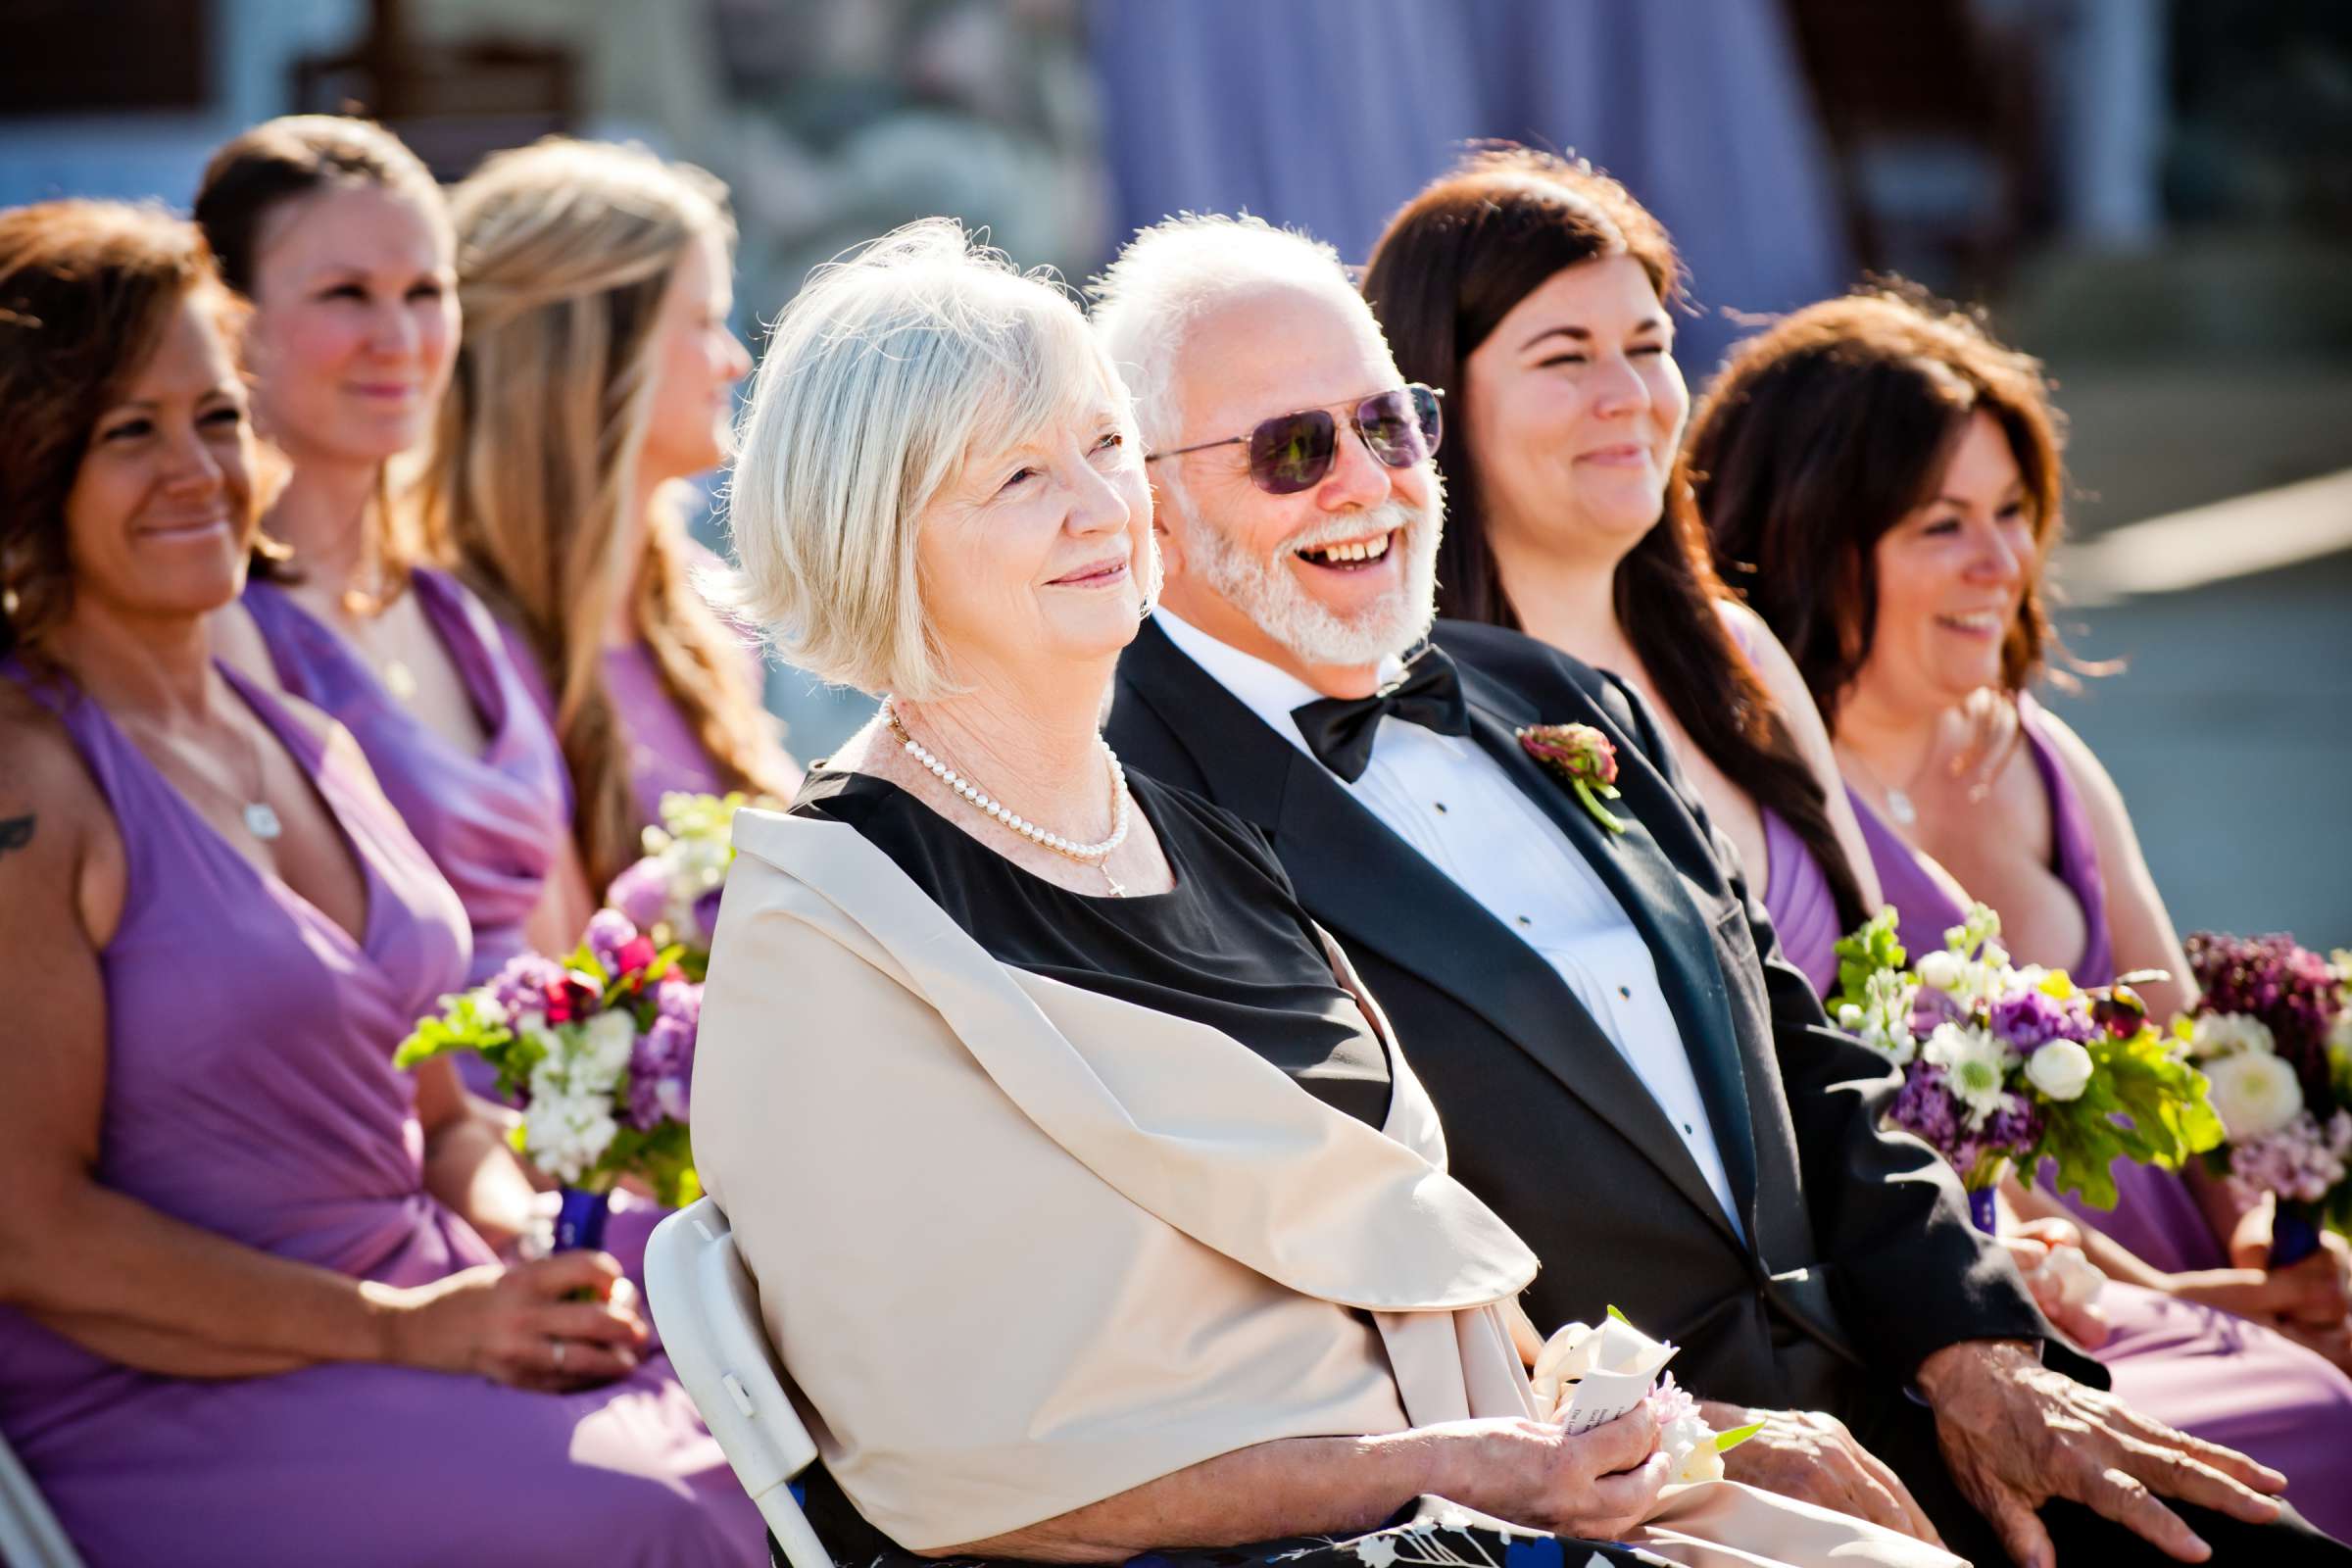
[{"x": 894, "y": 369}]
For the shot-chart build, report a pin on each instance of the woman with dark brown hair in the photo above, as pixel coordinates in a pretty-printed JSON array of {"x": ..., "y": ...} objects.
[
  {"x": 245, "y": 1312},
  {"x": 1538, "y": 296},
  {"x": 1884, "y": 480}
]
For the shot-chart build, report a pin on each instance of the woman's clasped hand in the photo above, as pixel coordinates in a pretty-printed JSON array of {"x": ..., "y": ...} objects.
[{"x": 523, "y": 1324}]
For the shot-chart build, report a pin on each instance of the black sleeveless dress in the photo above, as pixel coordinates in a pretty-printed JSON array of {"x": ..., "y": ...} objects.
[{"x": 1230, "y": 946}]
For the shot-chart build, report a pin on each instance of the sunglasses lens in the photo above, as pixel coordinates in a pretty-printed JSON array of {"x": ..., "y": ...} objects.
[
  {"x": 1400, "y": 427},
  {"x": 1293, "y": 453}
]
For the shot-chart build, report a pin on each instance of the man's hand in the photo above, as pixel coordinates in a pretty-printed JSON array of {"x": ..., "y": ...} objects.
[
  {"x": 2016, "y": 1434},
  {"x": 1810, "y": 1456}
]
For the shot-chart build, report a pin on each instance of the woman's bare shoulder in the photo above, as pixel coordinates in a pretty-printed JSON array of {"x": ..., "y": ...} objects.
[{"x": 56, "y": 825}]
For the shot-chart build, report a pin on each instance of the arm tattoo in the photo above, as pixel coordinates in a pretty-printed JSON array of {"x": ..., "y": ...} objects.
[{"x": 15, "y": 832}]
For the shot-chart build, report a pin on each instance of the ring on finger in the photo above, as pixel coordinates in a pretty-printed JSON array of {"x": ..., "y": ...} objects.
[{"x": 556, "y": 1349}]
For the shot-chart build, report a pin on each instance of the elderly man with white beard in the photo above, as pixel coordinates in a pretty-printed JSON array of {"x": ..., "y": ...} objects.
[{"x": 1659, "y": 1105}]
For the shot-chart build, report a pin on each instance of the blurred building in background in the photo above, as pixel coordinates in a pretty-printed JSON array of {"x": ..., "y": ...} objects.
[{"x": 2155, "y": 195}]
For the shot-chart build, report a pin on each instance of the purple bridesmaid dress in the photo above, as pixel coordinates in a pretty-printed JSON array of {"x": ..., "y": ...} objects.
[
  {"x": 1803, "y": 910},
  {"x": 492, "y": 822},
  {"x": 250, "y": 1092},
  {"x": 2203, "y": 1370}
]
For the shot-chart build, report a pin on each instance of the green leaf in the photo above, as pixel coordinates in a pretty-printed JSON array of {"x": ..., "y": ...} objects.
[
  {"x": 1726, "y": 1441},
  {"x": 1621, "y": 1318},
  {"x": 1872, "y": 947}
]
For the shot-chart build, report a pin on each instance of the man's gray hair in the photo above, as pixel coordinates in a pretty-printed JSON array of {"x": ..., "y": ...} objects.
[{"x": 1150, "y": 295}]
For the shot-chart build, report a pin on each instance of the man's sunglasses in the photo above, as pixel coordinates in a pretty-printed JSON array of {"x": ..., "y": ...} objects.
[{"x": 1293, "y": 452}]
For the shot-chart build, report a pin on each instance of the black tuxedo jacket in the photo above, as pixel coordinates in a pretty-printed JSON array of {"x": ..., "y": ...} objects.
[{"x": 1854, "y": 1258}]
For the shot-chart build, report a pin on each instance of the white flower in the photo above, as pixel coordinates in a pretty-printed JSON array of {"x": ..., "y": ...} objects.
[
  {"x": 1884, "y": 1019},
  {"x": 566, "y": 1135},
  {"x": 2229, "y": 1034},
  {"x": 1566, "y": 1357},
  {"x": 1943, "y": 971},
  {"x": 1975, "y": 1067},
  {"x": 2060, "y": 1069},
  {"x": 605, "y": 1044},
  {"x": 2254, "y": 1093},
  {"x": 1376, "y": 1551}
]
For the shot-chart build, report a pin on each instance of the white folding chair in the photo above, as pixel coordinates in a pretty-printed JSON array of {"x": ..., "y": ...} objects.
[
  {"x": 709, "y": 1313},
  {"x": 30, "y": 1534}
]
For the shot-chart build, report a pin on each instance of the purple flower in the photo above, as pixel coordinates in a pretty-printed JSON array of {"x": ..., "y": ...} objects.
[
  {"x": 641, "y": 893},
  {"x": 1926, "y": 1108},
  {"x": 2029, "y": 1019},
  {"x": 2287, "y": 986},
  {"x": 523, "y": 983},
  {"x": 609, "y": 931},
  {"x": 661, "y": 1074},
  {"x": 682, "y": 1000}
]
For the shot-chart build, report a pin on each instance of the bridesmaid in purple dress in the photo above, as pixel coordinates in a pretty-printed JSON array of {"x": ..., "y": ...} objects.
[
  {"x": 1538, "y": 297},
  {"x": 597, "y": 287},
  {"x": 340, "y": 238},
  {"x": 235, "y": 1323},
  {"x": 1927, "y": 487}
]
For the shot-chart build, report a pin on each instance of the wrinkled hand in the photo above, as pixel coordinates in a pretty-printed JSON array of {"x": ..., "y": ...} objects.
[
  {"x": 2030, "y": 1244},
  {"x": 2016, "y": 1435},
  {"x": 1811, "y": 1456},
  {"x": 517, "y": 1325},
  {"x": 1595, "y": 1485}
]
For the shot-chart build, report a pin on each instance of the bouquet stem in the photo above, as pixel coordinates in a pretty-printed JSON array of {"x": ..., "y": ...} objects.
[
  {"x": 581, "y": 1221},
  {"x": 1983, "y": 1207},
  {"x": 2294, "y": 1235}
]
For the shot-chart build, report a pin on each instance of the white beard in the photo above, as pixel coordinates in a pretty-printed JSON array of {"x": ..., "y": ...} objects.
[{"x": 1272, "y": 597}]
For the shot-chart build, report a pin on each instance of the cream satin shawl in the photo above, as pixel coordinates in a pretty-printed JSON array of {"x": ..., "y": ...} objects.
[{"x": 1024, "y": 1247}]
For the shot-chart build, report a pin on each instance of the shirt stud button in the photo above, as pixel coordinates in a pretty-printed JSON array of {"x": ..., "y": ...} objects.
[
  {"x": 1625, "y": 991},
  {"x": 1440, "y": 806},
  {"x": 1524, "y": 920}
]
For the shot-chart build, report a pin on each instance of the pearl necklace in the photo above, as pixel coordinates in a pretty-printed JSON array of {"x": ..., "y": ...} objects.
[{"x": 1096, "y": 855}]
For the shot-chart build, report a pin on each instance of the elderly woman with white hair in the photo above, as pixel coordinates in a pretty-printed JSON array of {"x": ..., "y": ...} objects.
[{"x": 1092, "y": 1208}]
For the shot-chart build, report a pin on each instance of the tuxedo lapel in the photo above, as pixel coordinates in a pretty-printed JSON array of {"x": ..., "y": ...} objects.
[
  {"x": 1645, "y": 885},
  {"x": 1376, "y": 892}
]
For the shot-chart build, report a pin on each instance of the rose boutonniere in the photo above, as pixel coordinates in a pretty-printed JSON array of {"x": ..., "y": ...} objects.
[{"x": 1583, "y": 757}]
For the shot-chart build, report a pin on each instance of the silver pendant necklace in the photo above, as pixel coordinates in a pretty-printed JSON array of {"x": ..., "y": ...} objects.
[{"x": 261, "y": 818}]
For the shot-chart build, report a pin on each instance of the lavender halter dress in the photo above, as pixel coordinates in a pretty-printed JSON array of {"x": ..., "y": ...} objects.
[
  {"x": 250, "y": 1092},
  {"x": 2205, "y": 1371},
  {"x": 1796, "y": 890},
  {"x": 491, "y": 823}
]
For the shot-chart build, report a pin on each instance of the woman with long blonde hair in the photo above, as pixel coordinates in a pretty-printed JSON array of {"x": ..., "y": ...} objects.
[{"x": 598, "y": 370}]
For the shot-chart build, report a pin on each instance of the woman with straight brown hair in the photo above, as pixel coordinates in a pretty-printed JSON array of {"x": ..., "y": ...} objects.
[
  {"x": 338, "y": 235},
  {"x": 1884, "y": 480},
  {"x": 598, "y": 371},
  {"x": 1538, "y": 296}
]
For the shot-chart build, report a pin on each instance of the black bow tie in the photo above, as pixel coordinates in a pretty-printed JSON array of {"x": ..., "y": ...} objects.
[{"x": 1339, "y": 730}]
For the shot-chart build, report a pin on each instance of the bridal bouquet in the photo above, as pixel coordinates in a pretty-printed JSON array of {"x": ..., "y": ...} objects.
[
  {"x": 2007, "y": 1066},
  {"x": 2274, "y": 1033},
  {"x": 1587, "y": 1376},
  {"x": 672, "y": 893},
  {"x": 598, "y": 1050}
]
